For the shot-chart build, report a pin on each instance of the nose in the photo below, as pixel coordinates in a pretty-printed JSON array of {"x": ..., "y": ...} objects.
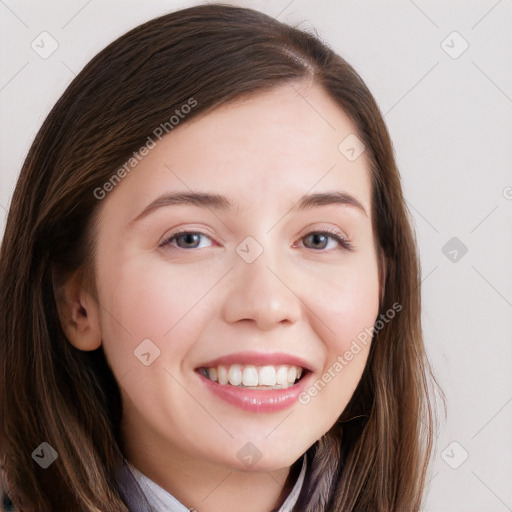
[{"x": 261, "y": 292}]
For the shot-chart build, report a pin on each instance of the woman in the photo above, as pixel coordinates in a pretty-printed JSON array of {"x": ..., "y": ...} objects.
[{"x": 256, "y": 372}]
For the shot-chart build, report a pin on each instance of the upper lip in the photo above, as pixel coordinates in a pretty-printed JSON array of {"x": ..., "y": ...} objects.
[{"x": 258, "y": 359}]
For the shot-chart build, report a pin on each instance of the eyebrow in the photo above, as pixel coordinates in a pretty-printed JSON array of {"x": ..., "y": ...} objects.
[{"x": 220, "y": 202}]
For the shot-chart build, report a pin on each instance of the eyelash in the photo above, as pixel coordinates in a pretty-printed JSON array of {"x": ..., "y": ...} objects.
[{"x": 345, "y": 244}]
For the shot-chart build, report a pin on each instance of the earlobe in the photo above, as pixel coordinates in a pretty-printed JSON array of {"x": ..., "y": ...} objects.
[{"x": 78, "y": 314}]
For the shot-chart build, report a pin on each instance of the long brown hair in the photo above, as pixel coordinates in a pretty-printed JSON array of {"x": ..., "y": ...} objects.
[{"x": 376, "y": 456}]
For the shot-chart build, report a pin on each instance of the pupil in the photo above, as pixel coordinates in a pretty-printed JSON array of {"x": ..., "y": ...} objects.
[
  {"x": 317, "y": 237},
  {"x": 189, "y": 238}
]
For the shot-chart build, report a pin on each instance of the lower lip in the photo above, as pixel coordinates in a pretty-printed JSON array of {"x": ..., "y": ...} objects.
[{"x": 257, "y": 400}]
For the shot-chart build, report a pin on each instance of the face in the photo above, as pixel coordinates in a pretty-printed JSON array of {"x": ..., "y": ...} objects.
[{"x": 260, "y": 281}]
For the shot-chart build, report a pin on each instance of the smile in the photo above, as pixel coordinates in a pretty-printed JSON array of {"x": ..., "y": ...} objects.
[{"x": 256, "y": 382}]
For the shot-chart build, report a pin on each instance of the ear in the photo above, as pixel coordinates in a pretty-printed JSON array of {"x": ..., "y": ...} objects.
[{"x": 78, "y": 314}]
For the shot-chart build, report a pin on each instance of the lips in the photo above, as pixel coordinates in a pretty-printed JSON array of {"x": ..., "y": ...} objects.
[
  {"x": 254, "y": 369},
  {"x": 256, "y": 382}
]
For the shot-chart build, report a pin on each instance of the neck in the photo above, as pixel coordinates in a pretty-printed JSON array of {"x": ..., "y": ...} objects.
[{"x": 205, "y": 487}]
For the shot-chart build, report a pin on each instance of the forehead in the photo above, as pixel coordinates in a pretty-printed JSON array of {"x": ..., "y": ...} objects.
[{"x": 267, "y": 149}]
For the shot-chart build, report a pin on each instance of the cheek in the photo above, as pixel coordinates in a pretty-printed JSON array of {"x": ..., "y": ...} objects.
[
  {"x": 345, "y": 308},
  {"x": 348, "y": 303},
  {"x": 143, "y": 301}
]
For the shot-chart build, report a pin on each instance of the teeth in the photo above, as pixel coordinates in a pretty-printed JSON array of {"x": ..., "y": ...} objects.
[
  {"x": 282, "y": 375},
  {"x": 267, "y": 376},
  {"x": 235, "y": 375},
  {"x": 212, "y": 373},
  {"x": 292, "y": 374},
  {"x": 222, "y": 373},
  {"x": 251, "y": 376}
]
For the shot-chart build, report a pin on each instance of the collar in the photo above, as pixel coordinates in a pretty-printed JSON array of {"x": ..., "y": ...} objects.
[{"x": 141, "y": 494}]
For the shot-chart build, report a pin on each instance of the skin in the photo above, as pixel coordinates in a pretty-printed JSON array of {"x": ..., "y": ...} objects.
[{"x": 306, "y": 298}]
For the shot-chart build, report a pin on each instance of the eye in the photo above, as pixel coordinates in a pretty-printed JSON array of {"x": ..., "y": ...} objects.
[
  {"x": 188, "y": 239},
  {"x": 322, "y": 238}
]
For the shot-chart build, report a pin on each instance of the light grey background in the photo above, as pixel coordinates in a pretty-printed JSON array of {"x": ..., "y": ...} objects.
[{"x": 450, "y": 118}]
